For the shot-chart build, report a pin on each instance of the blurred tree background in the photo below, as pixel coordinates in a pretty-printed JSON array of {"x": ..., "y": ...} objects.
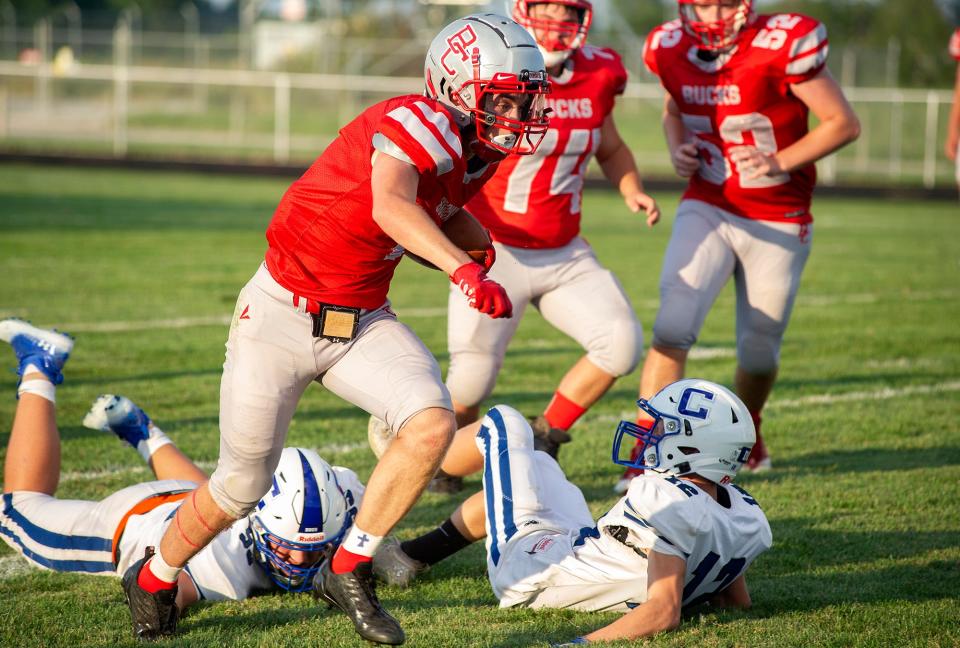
[{"x": 912, "y": 33}]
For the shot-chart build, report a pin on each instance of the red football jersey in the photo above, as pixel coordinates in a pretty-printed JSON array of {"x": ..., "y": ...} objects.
[
  {"x": 955, "y": 44},
  {"x": 533, "y": 201},
  {"x": 743, "y": 97},
  {"x": 323, "y": 241}
]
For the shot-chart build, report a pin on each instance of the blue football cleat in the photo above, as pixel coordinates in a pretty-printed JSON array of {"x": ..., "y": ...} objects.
[
  {"x": 119, "y": 415},
  {"x": 47, "y": 349}
]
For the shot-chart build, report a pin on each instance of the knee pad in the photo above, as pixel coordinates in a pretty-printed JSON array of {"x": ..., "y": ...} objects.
[
  {"x": 618, "y": 351},
  {"x": 675, "y": 326},
  {"x": 472, "y": 376},
  {"x": 503, "y": 421},
  {"x": 758, "y": 352},
  {"x": 236, "y": 488}
]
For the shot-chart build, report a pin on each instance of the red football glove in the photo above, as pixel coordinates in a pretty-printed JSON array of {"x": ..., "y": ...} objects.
[{"x": 484, "y": 294}]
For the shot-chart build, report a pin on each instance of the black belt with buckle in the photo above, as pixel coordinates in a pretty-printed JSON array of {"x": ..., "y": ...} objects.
[{"x": 336, "y": 323}]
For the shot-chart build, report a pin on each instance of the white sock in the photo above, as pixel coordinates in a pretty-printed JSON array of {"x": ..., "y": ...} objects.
[
  {"x": 156, "y": 440},
  {"x": 162, "y": 570},
  {"x": 31, "y": 368},
  {"x": 39, "y": 387},
  {"x": 360, "y": 542}
]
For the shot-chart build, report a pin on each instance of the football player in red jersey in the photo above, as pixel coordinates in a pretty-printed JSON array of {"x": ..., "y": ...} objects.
[
  {"x": 952, "y": 144},
  {"x": 317, "y": 309},
  {"x": 532, "y": 207},
  {"x": 739, "y": 90}
]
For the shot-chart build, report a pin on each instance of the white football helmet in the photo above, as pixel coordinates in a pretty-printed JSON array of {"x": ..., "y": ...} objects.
[
  {"x": 715, "y": 34},
  {"x": 556, "y": 50},
  {"x": 476, "y": 61},
  {"x": 697, "y": 427},
  {"x": 306, "y": 511}
]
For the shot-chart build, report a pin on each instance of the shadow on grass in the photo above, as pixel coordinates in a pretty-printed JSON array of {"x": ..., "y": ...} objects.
[
  {"x": 856, "y": 461},
  {"x": 806, "y": 591}
]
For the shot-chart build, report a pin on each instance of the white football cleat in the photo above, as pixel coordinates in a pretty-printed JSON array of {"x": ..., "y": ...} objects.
[
  {"x": 393, "y": 566},
  {"x": 45, "y": 349},
  {"x": 379, "y": 436},
  {"x": 120, "y": 416}
]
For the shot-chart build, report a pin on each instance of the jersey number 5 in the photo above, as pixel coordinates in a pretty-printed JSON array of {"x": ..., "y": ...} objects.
[{"x": 716, "y": 168}]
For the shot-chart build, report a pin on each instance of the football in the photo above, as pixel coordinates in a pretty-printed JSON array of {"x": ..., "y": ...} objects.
[{"x": 466, "y": 233}]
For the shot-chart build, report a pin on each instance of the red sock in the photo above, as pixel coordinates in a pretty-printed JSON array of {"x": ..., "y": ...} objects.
[
  {"x": 150, "y": 583},
  {"x": 346, "y": 561},
  {"x": 562, "y": 412}
]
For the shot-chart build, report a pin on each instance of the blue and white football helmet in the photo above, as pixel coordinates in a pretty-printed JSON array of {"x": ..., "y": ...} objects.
[
  {"x": 697, "y": 427},
  {"x": 306, "y": 511}
]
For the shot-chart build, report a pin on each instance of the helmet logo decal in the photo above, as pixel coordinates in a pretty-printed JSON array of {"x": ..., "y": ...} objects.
[
  {"x": 457, "y": 44},
  {"x": 312, "y": 507},
  {"x": 685, "y": 407}
]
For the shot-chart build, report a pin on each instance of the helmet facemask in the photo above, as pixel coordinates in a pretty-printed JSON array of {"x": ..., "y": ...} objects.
[
  {"x": 288, "y": 576},
  {"x": 510, "y": 113},
  {"x": 715, "y": 35},
  {"x": 557, "y": 39}
]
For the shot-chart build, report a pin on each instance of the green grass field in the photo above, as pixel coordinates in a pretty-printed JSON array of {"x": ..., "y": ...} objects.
[{"x": 144, "y": 269}]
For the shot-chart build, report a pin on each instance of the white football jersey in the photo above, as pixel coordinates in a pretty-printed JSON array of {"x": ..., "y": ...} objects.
[
  {"x": 226, "y": 568},
  {"x": 605, "y": 567}
]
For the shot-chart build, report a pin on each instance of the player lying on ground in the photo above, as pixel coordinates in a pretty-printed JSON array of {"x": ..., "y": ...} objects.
[
  {"x": 739, "y": 91},
  {"x": 683, "y": 533},
  {"x": 279, "y": 545}
]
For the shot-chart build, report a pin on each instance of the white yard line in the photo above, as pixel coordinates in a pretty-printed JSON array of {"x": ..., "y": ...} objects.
[
  {"x": 91, "y": 475},
  {"x": 884, "y": 393}
]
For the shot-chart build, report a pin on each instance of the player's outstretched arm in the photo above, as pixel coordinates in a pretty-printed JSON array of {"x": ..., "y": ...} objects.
[
  {"x": 735, "y": 596},
  {"x": 660, "y": 612},
  {"x": 395, "y": 209},
  {"x": 618, "y": 165},
  {"x": 838, "y": 125}
]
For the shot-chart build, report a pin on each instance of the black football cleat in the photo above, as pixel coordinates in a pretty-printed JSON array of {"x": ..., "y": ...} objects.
[
  {"x": 154, "y": 615},
  {"x": 546, "y": 438},
  {"x": 353, "y": 594}
]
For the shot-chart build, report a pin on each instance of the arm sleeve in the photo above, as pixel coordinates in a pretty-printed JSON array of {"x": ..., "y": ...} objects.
[
  {"x": 649, "y": 52},
  {"x": 806, "y": 51},
  {"x": 418, "y": 134},
  {"x": 618, "y": 74},
  {"x": 667, "y": 520}
]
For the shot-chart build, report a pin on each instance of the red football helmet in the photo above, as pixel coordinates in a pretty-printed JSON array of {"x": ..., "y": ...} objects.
[
  {"x": 554, "y": 49},
  {"x": 716, "y": 34}
]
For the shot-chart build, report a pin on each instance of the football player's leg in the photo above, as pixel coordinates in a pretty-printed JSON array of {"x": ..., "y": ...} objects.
[
  {"x": 526, "y": 496},
  {"x": 391, "y": 374},
  {"x": 33, "y": 451},
  {"x": 120, "y": 416},
  {"x": 589, "y": 304},
  {"x": 696, "y": 265},
  {"x": 265, "y": 372},
  {"x": 772, "y": 259},
  {"x": 478, "y": 343}
]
